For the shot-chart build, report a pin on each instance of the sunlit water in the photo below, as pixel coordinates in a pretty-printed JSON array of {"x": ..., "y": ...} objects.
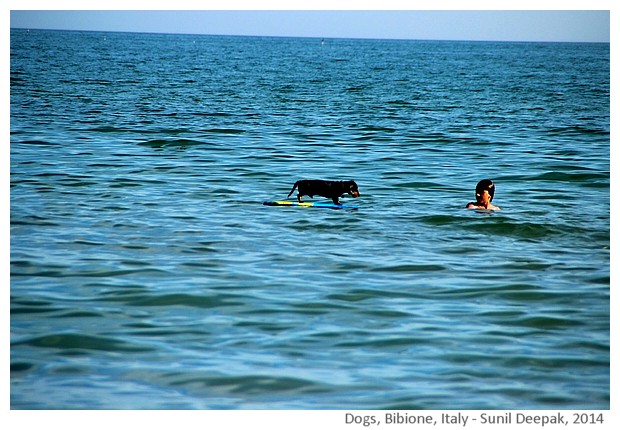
[{"x": 146, "y": 273}]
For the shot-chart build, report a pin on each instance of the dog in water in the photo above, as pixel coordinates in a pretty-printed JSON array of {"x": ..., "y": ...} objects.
[{"x": 329, "y": 189}]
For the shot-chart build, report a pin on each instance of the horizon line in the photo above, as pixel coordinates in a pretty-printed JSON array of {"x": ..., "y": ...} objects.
[{"x": 308, "y": 37}]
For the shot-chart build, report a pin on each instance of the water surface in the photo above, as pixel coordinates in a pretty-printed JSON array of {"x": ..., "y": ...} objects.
[{"x": 146, "y": 273}]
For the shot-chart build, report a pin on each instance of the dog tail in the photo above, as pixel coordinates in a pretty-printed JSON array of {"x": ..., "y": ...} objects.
[{"x": 294, "y": 186}]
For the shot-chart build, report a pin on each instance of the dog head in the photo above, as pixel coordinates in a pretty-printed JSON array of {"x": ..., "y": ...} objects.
[{"x": 351, "y": 188}]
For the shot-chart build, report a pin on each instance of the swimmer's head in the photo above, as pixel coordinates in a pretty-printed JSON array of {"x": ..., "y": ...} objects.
[{"x": 485, "y": 184}]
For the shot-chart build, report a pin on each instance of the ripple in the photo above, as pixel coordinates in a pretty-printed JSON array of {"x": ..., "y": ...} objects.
[
  {"x": 182, "y": 143},
  {"x": 524, "y": 230},
  {"x": 22, "y": 366},
  {"x": 190, "y": 300},
  {"x": 543, "y": 322},
  {"x": 389, "y": 342},
  {"x": 34, "y": 220},
  {"x": 569, "y": 177},
  {"x": 74, "y": 341},
  {"x": 410, "y": 268},
  {"x": 577, "y": 130},
  {"x": 250, "y": 384},
  {"x": 35, "y": 142}
]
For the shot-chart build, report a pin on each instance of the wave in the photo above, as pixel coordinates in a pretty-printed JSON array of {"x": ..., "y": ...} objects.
[
  {"x": 577, "y": 131},
  {"x": 78, "y": 342}
]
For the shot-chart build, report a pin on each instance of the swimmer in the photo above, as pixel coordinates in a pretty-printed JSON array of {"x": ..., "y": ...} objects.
[{"x": 484, "y": 196}]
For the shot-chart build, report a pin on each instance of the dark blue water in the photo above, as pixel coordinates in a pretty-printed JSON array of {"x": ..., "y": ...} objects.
[{"x": 146, "y": 273}]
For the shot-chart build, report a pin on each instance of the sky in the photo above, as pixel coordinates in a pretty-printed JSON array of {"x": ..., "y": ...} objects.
[{"x": 495, "y": 25}]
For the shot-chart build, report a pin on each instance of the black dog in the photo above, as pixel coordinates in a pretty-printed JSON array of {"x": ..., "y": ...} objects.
[{"x": 330, "y": 189}]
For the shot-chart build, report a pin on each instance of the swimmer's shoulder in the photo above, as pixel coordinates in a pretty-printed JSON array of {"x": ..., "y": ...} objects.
[{"x": 473, "y": 205}]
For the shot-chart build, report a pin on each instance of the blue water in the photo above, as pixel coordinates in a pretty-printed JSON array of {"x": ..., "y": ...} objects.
[{"x": 146, "y": 273}]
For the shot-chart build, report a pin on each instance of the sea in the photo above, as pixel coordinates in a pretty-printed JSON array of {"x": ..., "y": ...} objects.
[{"x": 146, "y": 273}]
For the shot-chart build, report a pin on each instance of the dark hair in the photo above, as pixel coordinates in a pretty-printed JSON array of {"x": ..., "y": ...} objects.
[{"x": 485, "y": 184}]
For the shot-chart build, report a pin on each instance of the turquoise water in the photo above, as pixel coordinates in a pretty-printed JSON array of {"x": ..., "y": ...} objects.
[{"x": 146, "y": 273}]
